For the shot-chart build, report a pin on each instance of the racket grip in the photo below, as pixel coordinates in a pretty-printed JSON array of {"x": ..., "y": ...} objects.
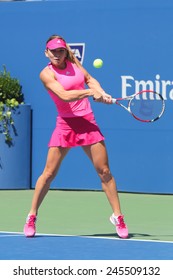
[{"x": 114, "y": 100}]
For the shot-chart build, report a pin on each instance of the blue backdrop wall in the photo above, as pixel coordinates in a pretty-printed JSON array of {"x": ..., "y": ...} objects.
[{"x": 135, "y": 40}]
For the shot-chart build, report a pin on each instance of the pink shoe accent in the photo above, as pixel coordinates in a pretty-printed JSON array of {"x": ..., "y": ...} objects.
[
  {"x": 120, "y": 225},
  {"x": 29, "y": 227}
]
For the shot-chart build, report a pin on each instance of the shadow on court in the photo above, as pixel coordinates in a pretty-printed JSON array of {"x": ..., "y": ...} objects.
[{"x": 132, "y": 235}]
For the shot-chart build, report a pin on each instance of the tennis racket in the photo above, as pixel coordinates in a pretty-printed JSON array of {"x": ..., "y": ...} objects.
[{"x": 144, "y": 106}]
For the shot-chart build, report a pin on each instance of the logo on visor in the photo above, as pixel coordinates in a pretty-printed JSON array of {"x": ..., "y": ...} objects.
[{"x": 78, "y": 49}]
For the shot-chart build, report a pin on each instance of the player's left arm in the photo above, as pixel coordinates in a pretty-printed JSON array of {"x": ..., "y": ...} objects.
[{"x": 92, "y": 83}]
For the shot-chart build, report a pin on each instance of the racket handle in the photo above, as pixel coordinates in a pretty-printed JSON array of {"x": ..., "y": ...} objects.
[{"x": 114, "y": 100}]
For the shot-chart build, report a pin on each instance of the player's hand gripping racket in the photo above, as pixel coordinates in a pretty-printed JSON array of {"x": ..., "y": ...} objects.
[{"x": 144, "y": 106}]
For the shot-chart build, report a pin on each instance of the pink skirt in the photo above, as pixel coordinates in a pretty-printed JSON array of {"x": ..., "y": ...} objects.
[{"x": 77, "y": 131}]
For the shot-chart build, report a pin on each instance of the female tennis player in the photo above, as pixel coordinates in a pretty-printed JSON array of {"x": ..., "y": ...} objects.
[{"x": 65, "y": 78}]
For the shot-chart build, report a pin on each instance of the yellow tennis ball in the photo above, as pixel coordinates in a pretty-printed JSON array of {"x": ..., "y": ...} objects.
[{"x": 98, "y": 63}]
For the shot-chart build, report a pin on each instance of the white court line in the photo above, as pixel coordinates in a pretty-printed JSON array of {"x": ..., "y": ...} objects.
[
  {"x": 10, "y": 235},
  {"x": 16, "y": 234}
]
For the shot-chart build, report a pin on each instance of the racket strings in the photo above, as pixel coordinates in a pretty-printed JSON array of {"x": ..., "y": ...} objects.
[{"x": 147, "y": 106}]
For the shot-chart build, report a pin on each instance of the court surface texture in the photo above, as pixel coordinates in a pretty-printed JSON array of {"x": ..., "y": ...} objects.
[{"x": 74, "y": 225}]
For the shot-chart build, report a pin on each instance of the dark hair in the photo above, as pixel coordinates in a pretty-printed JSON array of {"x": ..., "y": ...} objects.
[{"x": 70, "y": 55}]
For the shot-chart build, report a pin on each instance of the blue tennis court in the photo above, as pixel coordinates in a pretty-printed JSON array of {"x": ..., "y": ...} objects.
[{"x": 14, "y": 246}]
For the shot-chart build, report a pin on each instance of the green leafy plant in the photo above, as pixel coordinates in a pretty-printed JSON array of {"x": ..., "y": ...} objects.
[{"x": 11, "y": 97}]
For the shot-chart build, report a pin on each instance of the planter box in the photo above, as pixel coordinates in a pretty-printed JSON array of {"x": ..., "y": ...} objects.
[{"x": 15, "y": 161}]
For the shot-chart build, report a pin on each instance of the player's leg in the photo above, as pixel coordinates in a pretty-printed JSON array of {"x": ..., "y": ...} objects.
[
  {"x": 98, "y": 155},
  {"x": 54, "y": 159}
]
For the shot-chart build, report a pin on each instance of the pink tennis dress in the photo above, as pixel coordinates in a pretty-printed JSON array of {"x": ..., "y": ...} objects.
[{"x": 75, "y": 125}]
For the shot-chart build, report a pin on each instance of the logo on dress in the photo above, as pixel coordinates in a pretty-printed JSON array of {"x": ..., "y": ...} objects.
[{"x": 78, "y": 49}]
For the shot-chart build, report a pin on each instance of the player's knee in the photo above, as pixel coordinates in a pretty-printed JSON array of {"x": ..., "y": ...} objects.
[
  {"x": 105, "y": 175},
  {"x": 48, "y": 175}
]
